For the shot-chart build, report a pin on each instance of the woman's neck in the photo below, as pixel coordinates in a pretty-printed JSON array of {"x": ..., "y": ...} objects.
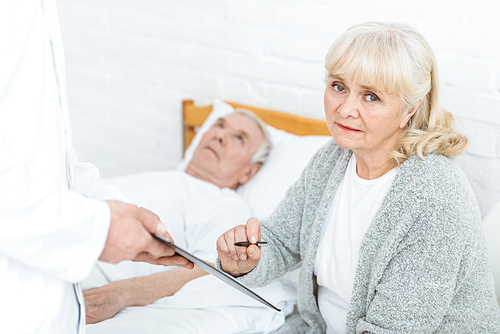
[{"x": 370, "y": 168}]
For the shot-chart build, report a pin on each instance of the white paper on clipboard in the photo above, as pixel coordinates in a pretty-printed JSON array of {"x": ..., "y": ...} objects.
[{"x": 226, "y": 278}]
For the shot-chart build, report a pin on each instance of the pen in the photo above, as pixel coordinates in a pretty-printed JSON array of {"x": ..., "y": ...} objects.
[{"x": 247, "y": 243}]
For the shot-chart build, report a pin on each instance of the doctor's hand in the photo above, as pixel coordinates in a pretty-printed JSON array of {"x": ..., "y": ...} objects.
[
  {"x": 130, "y": 237},
  {"x": 237, "y": 260}
]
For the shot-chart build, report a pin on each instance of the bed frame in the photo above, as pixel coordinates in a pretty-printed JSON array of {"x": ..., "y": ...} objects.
[{"x": 193, "y": 117}]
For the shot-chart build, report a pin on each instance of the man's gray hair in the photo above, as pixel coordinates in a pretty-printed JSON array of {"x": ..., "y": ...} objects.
[{"x": 260, "y": 156}]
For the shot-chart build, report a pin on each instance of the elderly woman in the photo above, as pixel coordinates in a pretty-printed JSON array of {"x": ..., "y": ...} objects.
[{"x": 382, "y": 220}]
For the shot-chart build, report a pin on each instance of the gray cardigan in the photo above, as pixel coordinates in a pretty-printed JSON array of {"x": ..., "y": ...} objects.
[{"x": 423, "y": 265}]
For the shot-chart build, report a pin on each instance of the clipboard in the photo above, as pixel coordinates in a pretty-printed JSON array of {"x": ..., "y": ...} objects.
[{"x": 223, "y": 276}]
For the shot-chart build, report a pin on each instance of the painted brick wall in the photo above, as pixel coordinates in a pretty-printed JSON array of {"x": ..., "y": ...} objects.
[{"x": 130, "y": 63}]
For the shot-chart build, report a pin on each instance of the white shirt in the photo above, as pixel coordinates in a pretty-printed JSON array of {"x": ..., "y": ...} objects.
[
  {"x": 195, "y": 212},
  {"x": 353, "y": 209},
  {"x": 51, "y": 232}
]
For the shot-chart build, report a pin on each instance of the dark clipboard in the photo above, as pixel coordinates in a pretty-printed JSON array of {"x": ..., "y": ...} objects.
[{"x": 226, "y": 278}]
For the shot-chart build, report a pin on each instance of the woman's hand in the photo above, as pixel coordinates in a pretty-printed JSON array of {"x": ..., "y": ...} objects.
[{"x": 237, "y": 260}]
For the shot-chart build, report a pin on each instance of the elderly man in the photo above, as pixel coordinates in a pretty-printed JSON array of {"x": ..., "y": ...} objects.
[{"x": 201, "y": 204}]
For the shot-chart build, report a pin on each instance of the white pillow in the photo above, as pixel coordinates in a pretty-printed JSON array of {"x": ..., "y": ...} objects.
[
  {"x": 289, "y": 156},
  {"x": 219, "y": 109}
]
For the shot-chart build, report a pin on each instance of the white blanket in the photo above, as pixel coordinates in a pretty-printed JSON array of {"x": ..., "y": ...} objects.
[{"x": 205, "y": 305}]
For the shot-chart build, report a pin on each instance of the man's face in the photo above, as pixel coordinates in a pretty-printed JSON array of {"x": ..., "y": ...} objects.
[{"x": 225, "y": 150}]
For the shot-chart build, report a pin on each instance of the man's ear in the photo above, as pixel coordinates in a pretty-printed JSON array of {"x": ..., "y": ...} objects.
[
  {"x": 409, "y": 114},
  {"x": 249, "y": 173}
]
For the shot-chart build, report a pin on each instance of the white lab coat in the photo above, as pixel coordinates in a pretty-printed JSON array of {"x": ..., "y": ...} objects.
[{"x": 51, "y": 231}]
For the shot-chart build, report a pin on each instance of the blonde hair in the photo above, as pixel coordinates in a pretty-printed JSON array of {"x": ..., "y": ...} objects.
[{"x": 396, "y": 59}]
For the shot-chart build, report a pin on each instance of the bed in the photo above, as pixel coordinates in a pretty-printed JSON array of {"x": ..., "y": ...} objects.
[
  {"x": 206, "y": 305},
  {"x": 295, "y": 139},
  {"x": 194, "y": 116}
]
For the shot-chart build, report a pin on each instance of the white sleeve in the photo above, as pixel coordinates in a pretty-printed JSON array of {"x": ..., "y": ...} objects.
[
  {"x": 204, "y": 228},
  {"x": 43, "y": 224},
  {"x": 87, "y": 181},
  {"x": 46, "y": 226}
]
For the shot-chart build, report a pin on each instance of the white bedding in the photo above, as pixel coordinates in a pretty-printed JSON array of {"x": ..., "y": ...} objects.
[{"x": 206, "y": 305}]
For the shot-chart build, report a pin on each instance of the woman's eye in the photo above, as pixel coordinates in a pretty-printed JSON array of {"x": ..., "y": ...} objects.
[
  {"x": 240, "y": 138},
  {"x": 338, "y": 88},
  {"x": 372, "y": 97}
]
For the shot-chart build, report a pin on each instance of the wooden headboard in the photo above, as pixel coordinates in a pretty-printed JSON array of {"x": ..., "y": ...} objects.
[{"x": 193, "y": 117}]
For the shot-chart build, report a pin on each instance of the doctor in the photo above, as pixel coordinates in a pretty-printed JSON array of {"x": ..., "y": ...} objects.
[{"x": 55, "y": 221}]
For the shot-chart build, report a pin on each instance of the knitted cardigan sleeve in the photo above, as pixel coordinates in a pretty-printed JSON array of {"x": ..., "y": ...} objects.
[{"x": 284, "y": 229}]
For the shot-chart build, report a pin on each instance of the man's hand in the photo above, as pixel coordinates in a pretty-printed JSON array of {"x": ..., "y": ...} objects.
[
  {"x": 104, "y": 302},
  {"x": 129, "y": 237}
]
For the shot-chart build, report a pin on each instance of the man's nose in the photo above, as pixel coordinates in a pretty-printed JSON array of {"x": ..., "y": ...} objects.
[
  {"x": 222, "y": 136},
  {"x": 350, "y": 106}
]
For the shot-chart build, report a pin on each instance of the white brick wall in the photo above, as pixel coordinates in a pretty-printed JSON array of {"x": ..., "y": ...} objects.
[{"x": 130, "y": 63}]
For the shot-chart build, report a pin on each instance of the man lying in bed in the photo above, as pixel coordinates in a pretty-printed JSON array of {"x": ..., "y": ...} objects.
[{"x": 199, "y": 206}]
